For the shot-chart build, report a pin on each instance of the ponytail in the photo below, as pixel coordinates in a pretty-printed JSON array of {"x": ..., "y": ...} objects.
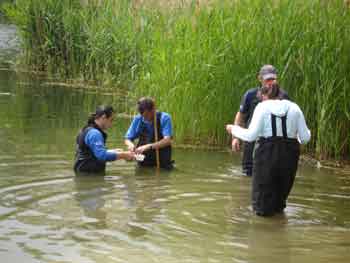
[
  {"x": 100, "y": 111},
  {"x": 91, "y": 119}
]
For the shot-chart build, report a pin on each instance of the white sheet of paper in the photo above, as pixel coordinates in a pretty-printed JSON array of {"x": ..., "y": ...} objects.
[{"x": 139, "y": 157}]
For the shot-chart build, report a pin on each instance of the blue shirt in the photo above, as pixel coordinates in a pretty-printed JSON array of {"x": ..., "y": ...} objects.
[
  {"x": 94, "y": 140},
  {"x": 247, "y": 99},
  {"x": 139, "y": 122}
]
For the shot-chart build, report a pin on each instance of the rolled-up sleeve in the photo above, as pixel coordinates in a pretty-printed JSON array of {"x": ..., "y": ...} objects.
[
  {"x": 244, "y": 105},
  {"x": 166, "y": 126},
  {"x": 134, "y": 129},
  {"x": 94, "y": 140}
]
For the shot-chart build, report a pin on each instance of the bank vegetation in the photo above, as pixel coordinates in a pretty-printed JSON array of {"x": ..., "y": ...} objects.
[{"x": 198, "y": 57}]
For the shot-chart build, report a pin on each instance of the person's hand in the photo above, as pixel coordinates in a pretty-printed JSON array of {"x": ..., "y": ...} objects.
[
  {"x": 131, "y": 147},
  {"x": 229, "y": 128},
  {"x": 129, "y": 156},
  {"x": 143, "y": 148},
  {"x": 236, "y": 147},
  {"x": 116, "y": 150}
]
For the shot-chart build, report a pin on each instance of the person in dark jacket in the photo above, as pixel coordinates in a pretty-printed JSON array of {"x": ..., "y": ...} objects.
[
  {"x": 267, "y": 77},
  {"x": 91, "y": 152},
  {"x": 142, "y": 128}
]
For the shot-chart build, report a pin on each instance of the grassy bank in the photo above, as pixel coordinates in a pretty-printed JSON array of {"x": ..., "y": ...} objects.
[{"x": 198, "y": 60}]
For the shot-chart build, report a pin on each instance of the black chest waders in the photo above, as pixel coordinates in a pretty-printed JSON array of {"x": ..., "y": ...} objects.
[
  {"x": 248, "y": 147},
  {"x": 85, "y": 160},
  {"x": 150, "y": 155},
  {"x": 275, "y": 165}
]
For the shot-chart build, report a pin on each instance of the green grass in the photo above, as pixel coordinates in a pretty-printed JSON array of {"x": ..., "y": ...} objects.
[
  {"x": 93, "y": 42},
  {"x": 197, "y": 61}
]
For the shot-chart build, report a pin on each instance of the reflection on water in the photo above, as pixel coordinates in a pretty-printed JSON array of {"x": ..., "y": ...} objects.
[
  {"x": 9, "y": 43},
  {"x": 200, "y": 212}
]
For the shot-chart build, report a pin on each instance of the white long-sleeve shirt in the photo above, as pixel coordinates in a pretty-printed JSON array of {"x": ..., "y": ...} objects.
[{"x": 260, "y": 125}]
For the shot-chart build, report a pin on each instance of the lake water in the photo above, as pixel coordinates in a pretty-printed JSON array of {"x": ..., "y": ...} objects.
[{"x": 200, "y": 212}]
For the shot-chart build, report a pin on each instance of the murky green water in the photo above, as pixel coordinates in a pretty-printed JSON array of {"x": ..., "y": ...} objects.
[{"x": 198, "y": 213}]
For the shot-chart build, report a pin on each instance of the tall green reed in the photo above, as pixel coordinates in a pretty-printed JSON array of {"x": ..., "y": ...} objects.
[
  {"x": 198, "y": 60},
  {"x": 91, "y": 41},
  {"x": 199, "y": 63}
]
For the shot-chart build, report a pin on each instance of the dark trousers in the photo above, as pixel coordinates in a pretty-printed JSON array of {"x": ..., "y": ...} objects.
[
  {"x": 247, "y": 159},
  {"x": 275, "y": 165}
]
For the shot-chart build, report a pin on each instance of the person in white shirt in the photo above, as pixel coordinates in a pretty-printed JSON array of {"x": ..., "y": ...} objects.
[{"x": 279, "y": 126}]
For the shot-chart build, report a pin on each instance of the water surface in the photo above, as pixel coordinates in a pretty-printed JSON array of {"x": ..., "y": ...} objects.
[{"x": 200, "y": 212}]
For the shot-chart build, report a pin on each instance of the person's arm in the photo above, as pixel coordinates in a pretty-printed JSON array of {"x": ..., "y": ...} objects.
[
  {"x": 304, "y": 133},
  {"x": 126, "y": 155},
  {"x": 132, "y": 133},
  {"x": 94, "y": 140},
  {"x": 236, "y": 144},
  {"x": 244, "y": 108},
  {"x": 162, "y": 143},
  {"x": 255, "y": 126},
  {"x": 156, "y": 145},
  {"x": 129, "y": 156},
  {"x": 130, "y": 145},
  {"x": 167, "y": 132},
  {"x": 166, "y": 128},
  {"x": 239, "y": 120}
]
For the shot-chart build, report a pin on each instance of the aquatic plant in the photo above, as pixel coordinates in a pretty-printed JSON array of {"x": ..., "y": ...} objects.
[
  {"x": 74, "y": 40},
  {"x": 198, "y": 64},
  {"x": 197, "y": 60}
]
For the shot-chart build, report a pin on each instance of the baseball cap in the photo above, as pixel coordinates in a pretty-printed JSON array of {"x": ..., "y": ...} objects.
[{"x": 268, "y": 72}]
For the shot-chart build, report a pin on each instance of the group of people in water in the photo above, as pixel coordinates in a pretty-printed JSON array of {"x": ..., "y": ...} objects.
[
  {"x": 92, "y": 154},
  {"x": 272, "y": 127}
]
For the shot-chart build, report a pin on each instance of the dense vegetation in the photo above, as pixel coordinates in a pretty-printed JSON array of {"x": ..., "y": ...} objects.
[{"x": 199, "y": 59}]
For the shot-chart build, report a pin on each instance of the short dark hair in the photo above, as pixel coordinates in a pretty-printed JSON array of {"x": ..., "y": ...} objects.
[
  {"x": 271, "y": 92},
  {"x": 145, "y": 104}
]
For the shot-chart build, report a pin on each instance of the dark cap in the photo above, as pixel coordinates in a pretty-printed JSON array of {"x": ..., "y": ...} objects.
[{"x": 268, "y": 72}]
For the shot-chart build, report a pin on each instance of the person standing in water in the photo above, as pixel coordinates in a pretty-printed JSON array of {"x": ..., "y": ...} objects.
[
  {"x": 279, "y": 126},
  {"x": 91, "y": 153},
  {"x": 267, "y": 77},
  {"x": 142, "y": 127}
]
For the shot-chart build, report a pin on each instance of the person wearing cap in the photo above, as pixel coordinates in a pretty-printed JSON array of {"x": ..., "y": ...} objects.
[
  {"x": 142, "y": 128},
  {"x": 279, "y": 125},
  {"x": 91, "y": 153},
  {"x": 267, "y": 77}
]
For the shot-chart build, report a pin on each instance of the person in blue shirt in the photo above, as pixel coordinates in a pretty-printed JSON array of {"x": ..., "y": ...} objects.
[
  {"x": 91, "y": 152},
  {"x": 267, "y": 77},
  {"x": 142, "y": 128}
]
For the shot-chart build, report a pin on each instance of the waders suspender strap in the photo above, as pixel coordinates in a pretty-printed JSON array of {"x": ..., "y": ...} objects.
[
  {"x": 273, "y": 125},
  {"x": 284, "y": 125}
]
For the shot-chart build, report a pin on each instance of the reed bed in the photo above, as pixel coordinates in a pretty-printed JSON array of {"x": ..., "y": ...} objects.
[
  {"x": 197, "y": 59},
  {"x": 90, "y": 40}
]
